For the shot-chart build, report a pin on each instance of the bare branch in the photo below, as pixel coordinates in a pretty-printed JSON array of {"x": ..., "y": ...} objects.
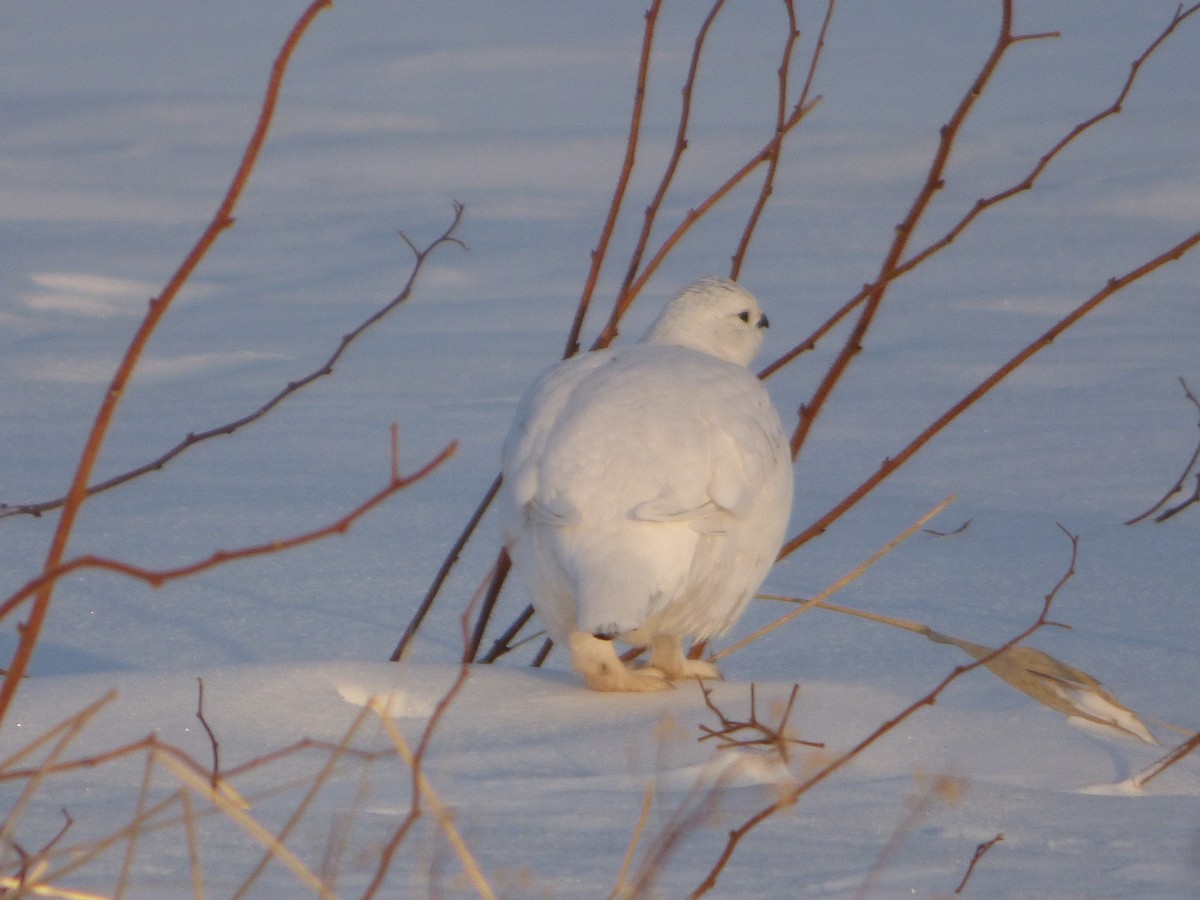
[
  {"x": 1178, "y": 486},
  {"x": 933, "y": 183},
  {"x": 223, "y": 218},
  {"x": 979, "y": 852},
  {"x": 159, "y": 577},
  {"x": 792, "y": 796},
  {"x": 768, "y": 184},
  {"x": 618, "y": 198},
  {"x": 326, "y": 368},
  {"x": 212, "y": 738},
  {"x": 892, "y": 463},
  {"x": 983, "y": 204}
]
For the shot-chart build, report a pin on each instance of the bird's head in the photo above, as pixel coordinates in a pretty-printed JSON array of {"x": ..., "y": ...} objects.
[{"x": 715, "y": 316}]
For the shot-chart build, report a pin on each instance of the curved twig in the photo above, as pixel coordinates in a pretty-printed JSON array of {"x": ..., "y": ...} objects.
[
  {"x": 326, "y": 368},
  {"x": 892, "y": 463},
  {"x": 1178, "y": 486},
  {"x": 223, "y": 218},
  {"x": 792, "y": 796},
  {"x": 933, "y": 183},
  {"x": 618, "y": 198},
  {"x": 983, "y": 204},
  {"x": 158, "y": 577},
  {"x": 768, "y": 184}
]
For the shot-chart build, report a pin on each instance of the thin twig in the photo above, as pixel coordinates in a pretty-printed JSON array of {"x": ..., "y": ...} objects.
[
  {"x": 792, "y": 796},
  {"x": 236, "y": 813},
  {"x": 934, "y": 182},
  {"x": 650, "y": 215},
  {"x": 325, "y": 369},
  {"x": 158, "y": 577},
  {"x": 892, "y": 463},
  {"x": 415, "y": 761},
  {"x": 498, "y": 574},
  {"x": 846, "y": 579},
  {"x": 212, "y": 738},
  {"x": 1148, "y": 774},
  {"x": 443, "y": 572},
  {"x": 768, "y": 184},
  {"x": 979, "y": 852},
  {"x": 600, "y": 253},
  {"x": 1023, "y": 185},
  {"x": 1178, "y": 486}
]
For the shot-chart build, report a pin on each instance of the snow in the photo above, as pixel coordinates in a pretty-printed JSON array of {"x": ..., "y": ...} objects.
[{"x": 122, "y": 128}]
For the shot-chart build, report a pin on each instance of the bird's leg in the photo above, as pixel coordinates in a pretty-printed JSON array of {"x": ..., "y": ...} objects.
[
  {"x": 667, "y": 656},
  {"x": 597, "y": 661}
]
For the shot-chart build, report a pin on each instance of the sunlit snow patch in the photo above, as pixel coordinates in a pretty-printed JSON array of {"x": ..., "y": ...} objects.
[
  {"x": 395, "y": 703},
  {"x": 94, "y": 296}
]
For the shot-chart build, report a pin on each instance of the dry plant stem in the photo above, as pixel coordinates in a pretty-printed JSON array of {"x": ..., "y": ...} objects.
[
  {"x": 131, "y": 841},
  {"x": 846, "y": 579},
  {"x": 504, "y": 644},
  {"x": 415, "y": 764},
  {"x": 614, "y": 209},
  {"x": 66, "y": 732},
  {"x": 444, "y": 817},
  {"x": 1178, "y": 486},
  {"x": 310, "y": 795},
  {"x": 158, "y": 577},
  {"x": 904, "y": 231},
  {"x": 28, "y": 634},
  {"x": 778, "y": 736},
  {"x": 195, "y": 868},
  {"x": 929, "y": 699},
  {"x": 326, "y": 369},
  {"x": 621, "y": 889},
  {"x": 892, "y": 463},
  {"x": 1025, "y": 184},
  {"x": 1148, "y": 774},
  {"x": 151, "y": 742},
  {"x": 192, "y": 781},
  {"x": 496, "y": 578},
  {"x": 979, "y": 854}
]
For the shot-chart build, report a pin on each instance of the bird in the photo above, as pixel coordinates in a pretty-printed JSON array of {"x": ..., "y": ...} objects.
[{"x": 646, "y": 489}]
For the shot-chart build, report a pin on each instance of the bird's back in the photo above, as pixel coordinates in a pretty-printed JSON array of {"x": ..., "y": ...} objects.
[{"x": 648, "y": 487}]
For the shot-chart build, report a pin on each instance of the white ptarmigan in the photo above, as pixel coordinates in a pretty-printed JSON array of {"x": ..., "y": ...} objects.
[{"x": 647, "y": 489}]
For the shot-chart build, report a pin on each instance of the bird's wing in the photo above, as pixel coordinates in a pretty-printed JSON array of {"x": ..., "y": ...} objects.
[
  {"x": 535, "y": 419},
  {"x": 654, "y": 434}
]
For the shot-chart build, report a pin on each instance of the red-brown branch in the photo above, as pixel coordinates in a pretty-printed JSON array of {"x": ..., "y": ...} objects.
[
  {"x": 792, "y": 796},
  {"x": 904, "y": 231},
  {"x": 983, "y": 204},
  {"x": 158, "y": 577},
  {"x": 30, "y": 631},
  {"x": 614, "y": 209},
  {"x": 892, "y": 463}
]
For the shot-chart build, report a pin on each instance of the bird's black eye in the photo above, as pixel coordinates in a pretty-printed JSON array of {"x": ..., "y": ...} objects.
[{"x": 744, "y": 315}]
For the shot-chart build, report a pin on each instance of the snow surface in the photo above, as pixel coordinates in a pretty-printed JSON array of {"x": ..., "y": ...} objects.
[{"x": 123, "y": 123}]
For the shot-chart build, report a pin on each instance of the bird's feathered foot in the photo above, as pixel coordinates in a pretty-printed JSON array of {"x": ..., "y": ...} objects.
[
  {"x": 597, "y": 661},
  {"x": 667, "y": 656}
]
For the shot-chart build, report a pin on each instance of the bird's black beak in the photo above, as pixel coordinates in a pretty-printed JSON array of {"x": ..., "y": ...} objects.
[{"x": 762, "y": 321}]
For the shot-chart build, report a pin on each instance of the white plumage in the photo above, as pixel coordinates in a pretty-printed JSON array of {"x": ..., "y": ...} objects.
[{"x": 647, "y": 489}]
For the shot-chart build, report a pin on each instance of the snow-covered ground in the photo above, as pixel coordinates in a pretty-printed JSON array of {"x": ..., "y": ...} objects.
[{"x": 122, "y": 125}]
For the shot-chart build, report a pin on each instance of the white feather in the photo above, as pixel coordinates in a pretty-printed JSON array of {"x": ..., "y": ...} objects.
[{"x": 647, "y": 488}]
